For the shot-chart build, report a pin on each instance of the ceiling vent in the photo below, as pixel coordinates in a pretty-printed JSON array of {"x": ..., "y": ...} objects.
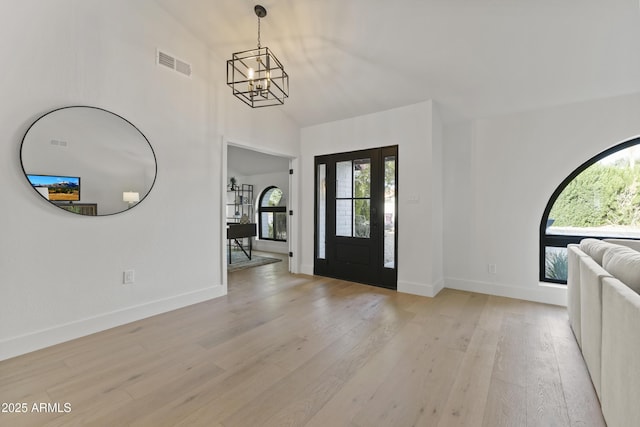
[{"x": 166, "y": 60}]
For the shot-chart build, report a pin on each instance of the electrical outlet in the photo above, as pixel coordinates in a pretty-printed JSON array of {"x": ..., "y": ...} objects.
[
  {"x": 129, "y": 277},
  {"x": 491, "y": 268}
]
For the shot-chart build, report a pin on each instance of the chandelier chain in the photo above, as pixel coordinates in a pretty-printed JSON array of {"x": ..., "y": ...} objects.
[{"x": 258, "y": 32}]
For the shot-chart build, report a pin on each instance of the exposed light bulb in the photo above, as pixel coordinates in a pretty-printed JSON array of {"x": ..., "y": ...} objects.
[{"x": 250, "y": 74}]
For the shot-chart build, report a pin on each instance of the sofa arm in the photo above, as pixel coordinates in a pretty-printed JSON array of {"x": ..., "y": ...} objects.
[
  {"x": 591, "y": 276},
  {"x": 620, "y": 354},
  {"x": 574, "y": 253}
]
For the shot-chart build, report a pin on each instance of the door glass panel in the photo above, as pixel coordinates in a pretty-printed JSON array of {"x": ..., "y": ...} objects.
[
  {"x": 353, "y": 193},
  {"x": 344, "y": 180},
  {"x": 361, "y": 218},
  {"x": 321, "y": 218},
  {"x": 362, "y": 177},
  {"x": 389, "y": 211},
  {"x": 344, "y": 218}
]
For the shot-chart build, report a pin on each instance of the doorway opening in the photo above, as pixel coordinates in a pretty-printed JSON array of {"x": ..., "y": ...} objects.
[{"x": 249, "y": 175}]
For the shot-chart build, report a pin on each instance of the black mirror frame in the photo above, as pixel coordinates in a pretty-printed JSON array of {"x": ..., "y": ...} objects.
[{"x": 155, "y": 159}]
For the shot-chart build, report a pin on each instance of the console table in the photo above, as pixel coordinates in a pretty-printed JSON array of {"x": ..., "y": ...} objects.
[{"x": 237, "y": 231}]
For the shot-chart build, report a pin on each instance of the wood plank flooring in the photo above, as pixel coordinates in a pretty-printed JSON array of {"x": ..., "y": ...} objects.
[{"x": 287, "y": 350}]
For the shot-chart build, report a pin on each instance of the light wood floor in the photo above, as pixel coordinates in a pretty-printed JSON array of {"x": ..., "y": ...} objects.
[{"x": 284, "y": 350}]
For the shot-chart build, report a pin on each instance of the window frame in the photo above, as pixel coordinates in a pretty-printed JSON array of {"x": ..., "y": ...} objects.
[
  {"x": 269, "y": 209},
  {"x": 562, "y": 241}
]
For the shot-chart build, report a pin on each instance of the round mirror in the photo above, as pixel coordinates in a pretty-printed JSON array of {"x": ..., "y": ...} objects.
[{"x": 88, "y": 161}]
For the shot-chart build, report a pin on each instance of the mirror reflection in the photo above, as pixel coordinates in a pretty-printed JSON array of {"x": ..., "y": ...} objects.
[{"x": 88, "y": 161}]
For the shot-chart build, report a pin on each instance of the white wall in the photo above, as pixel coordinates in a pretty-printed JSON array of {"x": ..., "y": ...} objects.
[
  {"x": 499, "y": 174},
  {"x": 92, "y": 52},
  {"x": 419, "y": 150},
  {"x": 266, "y": 130}
]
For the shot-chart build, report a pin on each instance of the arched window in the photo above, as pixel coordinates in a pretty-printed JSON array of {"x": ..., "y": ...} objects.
[
  {"x": 600, "y": 199},
  {"x": 272, "y": 215}
]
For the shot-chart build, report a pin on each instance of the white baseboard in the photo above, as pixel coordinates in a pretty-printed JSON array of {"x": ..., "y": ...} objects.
[
  {"x": 422, "y": 289},
  {"x": 269, "y": 246},
  {"x": 37, "y": 340},
  {"x": 547, "y": 294},
  {"x": 306, "y": 269}
]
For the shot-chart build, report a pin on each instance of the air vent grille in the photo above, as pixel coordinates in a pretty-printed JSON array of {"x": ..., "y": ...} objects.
[
  {"x": 59, "y": 143},
  {"x": 166, "y": 60},
  {"x": 183, "y": 67},
  {"x": 169, "y": 61}
]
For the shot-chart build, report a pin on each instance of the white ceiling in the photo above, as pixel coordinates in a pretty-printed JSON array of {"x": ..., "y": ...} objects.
[{"x": 476, "y": 58}]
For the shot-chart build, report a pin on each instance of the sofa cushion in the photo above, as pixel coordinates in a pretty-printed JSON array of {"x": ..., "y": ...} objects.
[
  {"x": 624, "y": 265},
  {"x": 596, "y": 248}
]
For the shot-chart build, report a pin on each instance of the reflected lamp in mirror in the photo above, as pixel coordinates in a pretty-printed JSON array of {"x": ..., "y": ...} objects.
[
  {"x": 106, "y": 150},
  {"x": 131, "y": 197}
]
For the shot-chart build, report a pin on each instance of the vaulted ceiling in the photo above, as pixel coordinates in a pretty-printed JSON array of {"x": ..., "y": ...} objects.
[{"x": 476, "y": 58}]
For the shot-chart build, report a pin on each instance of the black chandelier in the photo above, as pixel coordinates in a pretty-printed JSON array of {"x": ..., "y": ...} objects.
[{"x": 256, "y": 76}]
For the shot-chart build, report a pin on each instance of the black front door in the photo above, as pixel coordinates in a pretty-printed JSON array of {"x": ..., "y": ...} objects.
[{"x": 355, "y": 216}]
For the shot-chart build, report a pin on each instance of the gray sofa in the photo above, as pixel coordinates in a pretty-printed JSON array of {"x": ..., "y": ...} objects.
[{"x": 603, "y": 303}]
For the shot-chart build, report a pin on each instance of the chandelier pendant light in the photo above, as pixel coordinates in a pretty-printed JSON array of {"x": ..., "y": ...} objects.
[{"x": 256, "y": 76}]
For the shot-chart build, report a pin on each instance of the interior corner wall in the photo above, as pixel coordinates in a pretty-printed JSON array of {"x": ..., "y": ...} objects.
[
  {"x": 61, "y": 273},
  {"x": 411, "y": 128},
  {"x": 437, "y": 188},
  {"x": 499, "y": 174}
]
